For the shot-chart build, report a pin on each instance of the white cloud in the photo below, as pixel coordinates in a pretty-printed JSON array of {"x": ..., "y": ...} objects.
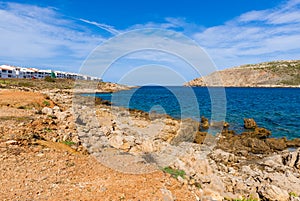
[
  {"x": 36, "y": 36},
  {"x": 106, "y": 27},
  {"x": 255, "y": 36}
]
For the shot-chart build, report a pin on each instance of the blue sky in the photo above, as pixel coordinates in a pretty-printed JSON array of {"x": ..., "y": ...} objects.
[{"x": 60, "y": 34}]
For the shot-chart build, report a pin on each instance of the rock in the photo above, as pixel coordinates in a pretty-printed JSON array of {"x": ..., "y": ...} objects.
[
  {"x": 292, "y": 159},
  {"x": 256, "y": 145},
  {"x": 200, "y": 137},
  {"x": 209, "y": 194},
  {"x": 219, "y": 155},
  {"x": 11, "y": 142},
  {"x": 56, "y": 109},
  {"x": 204, "y": 123},
  {"x": 273, "y": 193},
  {"x": 187, "y": 132},
  {"x": 249, "y": 123},
  {"x": 61, "y": 116},
  {"x": 258, "y": 133},
  {"x": 272, "y": 161},
  {"x": 47, "y": 111},
  {"x": 167, "y": 195},
  {"x": 116, "y": 141},
  {"x": 147, "y": 146},
  {"x": 293, "y": 143},
  {"x": 277, "y": 144},
  {"x": 226, "y": 125}
]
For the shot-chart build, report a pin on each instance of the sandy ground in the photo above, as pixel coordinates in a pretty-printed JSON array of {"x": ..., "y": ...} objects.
[{"x": 44, "y": 170}]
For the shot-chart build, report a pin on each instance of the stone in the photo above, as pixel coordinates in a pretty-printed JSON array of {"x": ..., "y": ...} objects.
[
  {"x": 11, "y": 142},
  {"x": 187, "y": 132},
  {"x": 204, "y": 123},
  {"x": 200, "y": 137},
  {"x": 273, "y": 193},
  {"x": 219, "y": 155},
  {"x": 249, "y": 123},
  {"x": 292, "y": 159},
  {"x": 116, "y": 141},
  {"x": 47, "y": 111},
  {"x": 277, "y": 144},
  {"x": 56, "y": 109},
  {"x": 61, "y": 116}
]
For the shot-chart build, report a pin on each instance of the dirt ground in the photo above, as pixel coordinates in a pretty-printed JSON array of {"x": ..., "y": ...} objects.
[{"x": 45, "y": 170}]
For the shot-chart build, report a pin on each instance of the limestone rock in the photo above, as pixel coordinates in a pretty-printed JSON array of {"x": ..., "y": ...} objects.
[
  {"x": 47, "y": 111},
  {"x": 187, "y": 132},
  {"x": 116, "y": 141},
  {"x": 273, "y": 193}
]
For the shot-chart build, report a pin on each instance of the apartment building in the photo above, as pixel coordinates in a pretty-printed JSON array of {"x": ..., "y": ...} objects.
[{"x": 7, "y": 71}]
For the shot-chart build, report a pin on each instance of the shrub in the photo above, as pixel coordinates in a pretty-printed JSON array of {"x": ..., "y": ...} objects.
[
  {"x": 175, "y": 173},
  {"x": 49, "y": 79}
]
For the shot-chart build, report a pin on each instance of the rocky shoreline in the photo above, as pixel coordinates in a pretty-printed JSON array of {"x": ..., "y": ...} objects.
[{"x": 246, "y": 166}]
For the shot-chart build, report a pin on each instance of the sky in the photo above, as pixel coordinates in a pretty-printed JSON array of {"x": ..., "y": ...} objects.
[{"x": 65, "y": 34}]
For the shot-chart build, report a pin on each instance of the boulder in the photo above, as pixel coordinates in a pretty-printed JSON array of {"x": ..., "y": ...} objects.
[
  {"x": 249, "y": 123},
  {"x": 273, "y": 193},
  {"x": 47, "y": 111}
]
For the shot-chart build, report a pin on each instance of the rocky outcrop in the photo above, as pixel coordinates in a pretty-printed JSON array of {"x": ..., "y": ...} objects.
[
  {"x": 268, "y": 74},
  {"x": 249, "y": 123}
]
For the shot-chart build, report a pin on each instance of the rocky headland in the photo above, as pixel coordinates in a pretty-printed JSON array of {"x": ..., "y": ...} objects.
[
  {"x": 267, "y": 74},
  {"x": 59, "y": 145}
]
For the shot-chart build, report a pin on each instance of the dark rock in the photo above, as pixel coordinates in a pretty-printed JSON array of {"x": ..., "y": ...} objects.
[
  {"x": 249, "y": 123},
  {"x": 293, "y": 143},
  {"x": 204, "y": 123},
  {"x": 277, "y": 144},
  {"x": 261, "y": 133},
  {"x": 256, "y": 145},
  {"x": 200, "y": 137}
]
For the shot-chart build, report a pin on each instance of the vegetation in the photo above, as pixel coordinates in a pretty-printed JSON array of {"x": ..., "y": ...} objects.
[
  {"x": 46, "y": 103},
  {"x": 293, "y": 194},
  {"x": 37, "y": 83},
  {"x": 49, "y": 79},
  {"x": 69, "y": 143},
  {"x": 48, "y": 129},
  {"x": 175, "y": 173}
]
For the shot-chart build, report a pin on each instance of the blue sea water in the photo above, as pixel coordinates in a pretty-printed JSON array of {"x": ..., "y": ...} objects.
[{"x": 277, "y": 109}]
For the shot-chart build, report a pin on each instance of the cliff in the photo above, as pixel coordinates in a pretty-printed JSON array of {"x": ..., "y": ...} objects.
[{"x": 267, "y": 74}]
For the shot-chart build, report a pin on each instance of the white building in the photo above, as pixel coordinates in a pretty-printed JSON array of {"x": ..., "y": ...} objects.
[{"x": 7, "y": 71}]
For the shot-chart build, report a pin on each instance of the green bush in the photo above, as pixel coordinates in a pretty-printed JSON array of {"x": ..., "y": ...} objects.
[
  {"x": 49, "y": 79},
  {"x": 175, "y": 173}
]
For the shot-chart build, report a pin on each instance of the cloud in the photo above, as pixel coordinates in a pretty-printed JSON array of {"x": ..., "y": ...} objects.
[
  {"x": 255, "y": 36},
  {"x": 106, "y": 27},
  {"x": 37, "y": 36}
]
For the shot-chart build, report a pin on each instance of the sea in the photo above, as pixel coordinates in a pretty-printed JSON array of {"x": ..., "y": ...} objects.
[{"x": 277, "y": 109}]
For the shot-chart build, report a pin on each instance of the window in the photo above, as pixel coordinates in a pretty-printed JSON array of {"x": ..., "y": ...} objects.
[
  {"x": 10, "y": 71},
  {"x": 4, "y": 71}
]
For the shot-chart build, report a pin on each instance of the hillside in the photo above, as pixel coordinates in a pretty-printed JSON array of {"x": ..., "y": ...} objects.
[{"x": 267, "y": 74}]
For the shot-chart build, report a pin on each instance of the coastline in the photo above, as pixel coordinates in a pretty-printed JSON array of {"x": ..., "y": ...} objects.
[{"x": 258, "y": 164}]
